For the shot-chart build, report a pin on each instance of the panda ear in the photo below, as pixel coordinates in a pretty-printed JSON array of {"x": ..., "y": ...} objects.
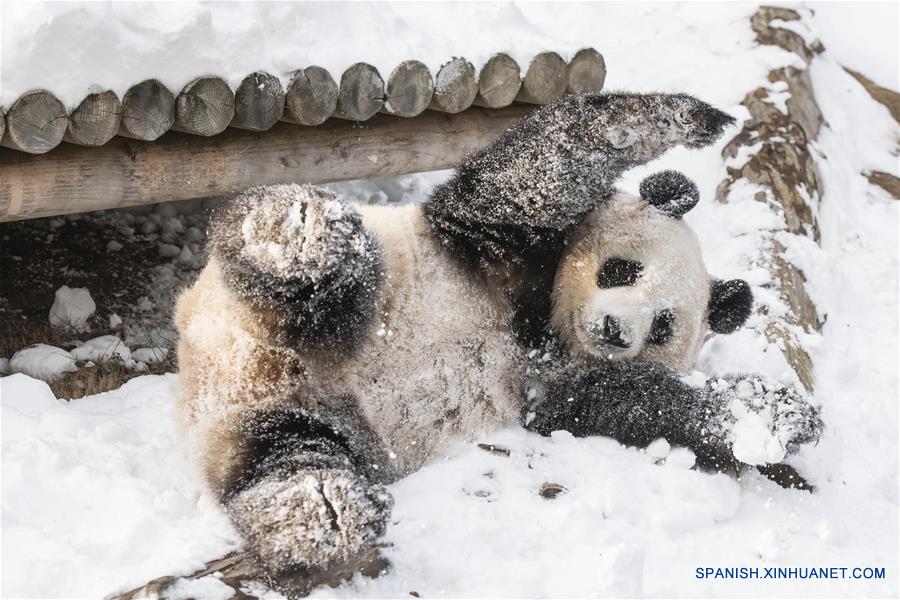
[
  {"x": 730, "y": 303},
  {"x": 671, "y": 192}
]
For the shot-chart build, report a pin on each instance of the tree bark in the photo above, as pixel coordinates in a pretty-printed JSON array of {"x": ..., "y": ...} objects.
[{"x": 782, "y": 164}]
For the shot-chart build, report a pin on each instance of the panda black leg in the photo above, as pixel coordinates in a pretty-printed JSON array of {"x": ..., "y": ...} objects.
[
  {"x": 300, "y": 256},
  {"x": 636, "y": 403},
  {"x": 304, "y": 501}
]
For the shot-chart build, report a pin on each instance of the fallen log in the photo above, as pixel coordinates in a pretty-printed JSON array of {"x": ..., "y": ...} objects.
[{"x": 780, "y": 162}]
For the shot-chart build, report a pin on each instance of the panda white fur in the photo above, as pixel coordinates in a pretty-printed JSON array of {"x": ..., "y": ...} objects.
[{"x": 328, "y": 348}]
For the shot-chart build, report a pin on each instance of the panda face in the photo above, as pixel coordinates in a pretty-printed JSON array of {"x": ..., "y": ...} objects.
[{"x": 632, "y": 285}]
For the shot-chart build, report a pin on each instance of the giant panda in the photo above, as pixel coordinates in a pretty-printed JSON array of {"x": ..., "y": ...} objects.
[{"x": 327, "y": 349}]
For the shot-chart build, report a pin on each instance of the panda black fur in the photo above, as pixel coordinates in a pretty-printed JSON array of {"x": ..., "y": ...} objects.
[{"x": 328, "y": 349}]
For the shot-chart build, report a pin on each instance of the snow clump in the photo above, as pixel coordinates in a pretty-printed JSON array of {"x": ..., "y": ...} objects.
[{"x": 72, "y": 308}]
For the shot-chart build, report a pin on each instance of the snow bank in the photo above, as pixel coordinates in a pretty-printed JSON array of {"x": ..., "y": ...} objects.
[
  {"x": 67, "y": 47},
  {"x": 98, "y": 491}
]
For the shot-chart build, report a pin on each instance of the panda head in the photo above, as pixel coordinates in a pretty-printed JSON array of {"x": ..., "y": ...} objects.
[{"x": 632, "y": 283}]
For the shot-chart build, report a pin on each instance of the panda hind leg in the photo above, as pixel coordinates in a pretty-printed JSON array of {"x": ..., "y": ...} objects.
[
  {"x": 303, "y": 498},
  {"x": 301, "y": 257}
]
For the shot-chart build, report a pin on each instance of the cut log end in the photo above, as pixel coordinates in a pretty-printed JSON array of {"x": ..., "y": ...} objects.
[
  {"x": 361, "y": 94},
  {"x": 2, "y": 121},
  {"x": 96, "y": 120},
  {"x": 204, "y": 107},
  {"x": 311, "y": 98},
  {"x": 545, "y": 79},
  {"x": 498, "y": 82},
  {"x": 35, "y": 123},
  {"x": 586, "y": 72},
  {"x": 148, "y": 111},
  {"x": 455, "y": 87},
  {"x": 258, "y": 102},
  {"x": 409, "y": 89}
]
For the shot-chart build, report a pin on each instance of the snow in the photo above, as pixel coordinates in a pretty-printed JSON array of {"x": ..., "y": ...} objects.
[
  {"x": 43, "y": 362},
  {"x": 99, "y": 491},
  {"x": 72, "y": 308},
  {"x": 103, "y": 348}
]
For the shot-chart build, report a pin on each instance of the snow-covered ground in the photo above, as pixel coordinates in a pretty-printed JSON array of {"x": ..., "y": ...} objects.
[{"x": 98, "y": 495}]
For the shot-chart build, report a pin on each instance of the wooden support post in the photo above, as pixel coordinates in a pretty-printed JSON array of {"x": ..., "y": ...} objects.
[
  {"x": 148, "y": 111},
  {"x": 127, "y": 172},
  {"x": 96, "y": 120},
  {"x": 204, "y": 107},
  {"x": 258, "y": 102},
  {"x": 2, "y": 121},
  {"x": 409, "y": 89},
  {"x": 455, "y": 87},
  {"x": 311, "y": 98},
  {"x": 498, "y": 82},
  {"x": 586, "y": 72},
  {"x": 35, "y": 123},
  {"x": 545, "y": 80},
  {"x": 361, "y": 94}
]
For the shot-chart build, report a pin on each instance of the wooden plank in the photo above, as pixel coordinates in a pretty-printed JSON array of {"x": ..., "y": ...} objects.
[
  {"x": 586, "y": 72},
  {"x": 35, "y": 123},
  {"x": 148, "y": 111},
  {"x": 258, "y": 102},
  {"x": 498, "y": 82},
  {"x": 311, "y": 98},
  {"x": 409, "y": 89},
  {"x": 545, "y": 80},
  {"x": 204, "y": 107},
  {"x": 127, "y": 172},
  {"x": 455, "y": 87},
  {"x": 96, "y": 120}
]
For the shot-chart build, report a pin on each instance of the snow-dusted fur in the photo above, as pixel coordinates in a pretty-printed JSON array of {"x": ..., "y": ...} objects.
[{"x": 328, "y": 349}]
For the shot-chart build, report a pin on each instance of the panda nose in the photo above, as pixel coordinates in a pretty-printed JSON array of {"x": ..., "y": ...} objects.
[{"x": 614, "y": 333}]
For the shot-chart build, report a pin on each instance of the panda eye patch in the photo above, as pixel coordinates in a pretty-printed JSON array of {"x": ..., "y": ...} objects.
[
  {"x": 661, "y": 330},
  {"x": 617, "y": 272}
]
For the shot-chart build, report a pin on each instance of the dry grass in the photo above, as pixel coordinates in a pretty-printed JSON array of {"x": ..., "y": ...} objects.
[{"x": 17, "y": 334}]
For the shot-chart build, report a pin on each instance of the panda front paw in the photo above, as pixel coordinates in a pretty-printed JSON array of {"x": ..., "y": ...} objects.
[
  {"x": 764, "y": 421},
  {"x": 313, "y": 527}
]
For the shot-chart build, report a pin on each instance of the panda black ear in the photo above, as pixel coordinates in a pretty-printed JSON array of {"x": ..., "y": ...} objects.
[
  {"x": 730, "y": 303},
  {"x": 671, "y": 192}
]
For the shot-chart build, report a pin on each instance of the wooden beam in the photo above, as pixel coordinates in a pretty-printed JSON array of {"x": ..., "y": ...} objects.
[
  {"x": 35, "y": 123},
  {"x": 498, "y": 82},
  {"x": 96, "y": 120},
  {"x": 361, "y": 93},
  {"x": 311, "y": 98},
  {"x": 179, "y": 166},
  {"x": 258, "y": 102},
  {"x": 455, "y": 87},
  {"x": 586, "y": 72},
  {"x": 545, "y": 80},
  {"x": 148, "y": 110},
  {"x": 409, "y": 89},
  {"x": 204, "y": 107}
]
